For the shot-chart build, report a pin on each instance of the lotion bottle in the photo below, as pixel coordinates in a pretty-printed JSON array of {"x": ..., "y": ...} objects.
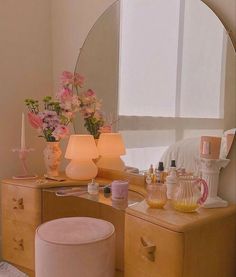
[{"x": 171, "y": 183}]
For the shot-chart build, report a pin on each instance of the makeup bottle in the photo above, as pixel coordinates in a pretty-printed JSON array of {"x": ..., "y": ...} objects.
[
  {"x": 171, "y": 183},
  {"x": 171, "y": 179},
  {"x": 172, "y": 166},
  {"x": 151, "y": 169},
  {"x": 160, "y": 174}
]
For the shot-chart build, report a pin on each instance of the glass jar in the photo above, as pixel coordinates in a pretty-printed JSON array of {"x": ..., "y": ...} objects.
[
  {"x": 156, "y": 195},
  {"x": 93, "y": 188}
]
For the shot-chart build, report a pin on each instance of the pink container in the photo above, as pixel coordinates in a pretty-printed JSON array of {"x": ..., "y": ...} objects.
[
  {"x": 119, "y": 190},
  {"x": 210, "y": 147}
]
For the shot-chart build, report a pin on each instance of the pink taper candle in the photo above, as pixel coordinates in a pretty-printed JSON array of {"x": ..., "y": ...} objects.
[{"x": 23, "y": 131}]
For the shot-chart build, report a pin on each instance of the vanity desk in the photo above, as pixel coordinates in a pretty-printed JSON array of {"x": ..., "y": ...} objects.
[
  {"x": 28, "y": 203},
  {"x": 160, "y": 243},
  {"x": 167, "y": 243}
]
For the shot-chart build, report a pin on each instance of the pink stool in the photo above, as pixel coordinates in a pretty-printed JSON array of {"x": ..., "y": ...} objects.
[{"x": 75, "y": 247}]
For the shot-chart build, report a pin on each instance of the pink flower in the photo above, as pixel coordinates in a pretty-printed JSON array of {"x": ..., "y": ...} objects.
[
  {"x": 65, "y": 94},
  {"x": 35, "y": 120},
  {"x": 90, "y": 93},
  {"x": 60, "y": 132},
  {"x": 105, "y": 129},
  {"x": 78, "y": 80},
  {"x": 67, "y": 78},
  {"x": 97, "y": 115}
]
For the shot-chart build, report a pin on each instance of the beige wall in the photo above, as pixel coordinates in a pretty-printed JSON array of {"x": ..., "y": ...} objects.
[
  {"x": 25, "y": 71},
  {"x": 71, "y": 22},
  {"x": 226, "y": 11}
]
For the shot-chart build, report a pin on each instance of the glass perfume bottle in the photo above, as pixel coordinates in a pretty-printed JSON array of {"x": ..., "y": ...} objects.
[{"x": 93, "y": 188}]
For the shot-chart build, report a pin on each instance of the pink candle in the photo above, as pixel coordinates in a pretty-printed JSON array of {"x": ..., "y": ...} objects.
[
  {"x": 22, "y": 131},
  {"x": 119, "y": 190}
]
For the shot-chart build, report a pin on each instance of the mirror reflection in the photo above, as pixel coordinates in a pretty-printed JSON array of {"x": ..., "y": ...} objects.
[{"x": 167, "y": 71}]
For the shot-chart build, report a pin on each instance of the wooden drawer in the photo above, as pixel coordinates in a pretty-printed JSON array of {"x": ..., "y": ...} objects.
[
  {"x": 152, "y": 251},
  {"x": 18, "y": 243},
  {"x": 21, "y": 204}
]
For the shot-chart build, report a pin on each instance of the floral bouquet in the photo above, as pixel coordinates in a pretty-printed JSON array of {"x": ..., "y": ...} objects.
[
  {"x": 90, "y": 109},
  {"x": 52, "y": 122},
  {"x": 89, "y": 106}
]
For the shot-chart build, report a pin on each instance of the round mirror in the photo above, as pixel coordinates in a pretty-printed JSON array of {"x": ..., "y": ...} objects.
[{"x": 166, "y": 70}]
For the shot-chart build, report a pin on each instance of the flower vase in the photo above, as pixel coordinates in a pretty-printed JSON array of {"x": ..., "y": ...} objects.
[{"x": 52, "y": 157}]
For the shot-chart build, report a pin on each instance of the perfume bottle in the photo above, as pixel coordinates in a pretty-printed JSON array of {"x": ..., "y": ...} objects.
[{"x": 93, "y": 188}]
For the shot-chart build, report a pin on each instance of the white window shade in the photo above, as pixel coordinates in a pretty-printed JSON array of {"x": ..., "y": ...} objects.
[
  {"x": 148, "y": 57},
  {"x": 172, "y": 59},
  {"x": 202, "y": 77}
]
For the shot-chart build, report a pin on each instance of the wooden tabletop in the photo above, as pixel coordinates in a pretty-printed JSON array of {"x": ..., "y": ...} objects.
[
  {"x": 177, "y": 221},
  {"x": 39, "y": 183}
]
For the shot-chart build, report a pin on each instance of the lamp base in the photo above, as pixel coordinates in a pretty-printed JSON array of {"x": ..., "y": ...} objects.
[
  {"x": 81, "y": 170},
  {"x": 114, "y": 163},
  {"x": 215, "y": 202}
]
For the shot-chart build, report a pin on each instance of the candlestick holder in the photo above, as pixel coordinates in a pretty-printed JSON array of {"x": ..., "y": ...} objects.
[
  {"x": 22, "y": 154},
  {"x": 210, "y": 169}
]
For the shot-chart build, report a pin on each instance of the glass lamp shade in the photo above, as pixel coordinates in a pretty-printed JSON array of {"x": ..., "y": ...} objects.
[
  {"x": 111, "y": 147},
  {"x": 81, "y": 149},
  {"x": 111, "y": 144}
]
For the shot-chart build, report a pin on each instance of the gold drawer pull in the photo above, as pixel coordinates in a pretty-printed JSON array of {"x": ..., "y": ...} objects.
[
  {"x": 19, "y": 244},
  {"x": 19, "y": 203},
  {"x": 147, "y": 249}
]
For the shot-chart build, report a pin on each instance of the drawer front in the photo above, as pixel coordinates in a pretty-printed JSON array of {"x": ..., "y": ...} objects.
[
  {"x": 18, "y": 243},
  {"x": 152, "y": 251},
  {"x": 21, "y": 204}
]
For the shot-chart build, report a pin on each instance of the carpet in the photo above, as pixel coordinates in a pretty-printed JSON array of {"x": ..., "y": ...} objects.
[{"x": 7, "y": 270}]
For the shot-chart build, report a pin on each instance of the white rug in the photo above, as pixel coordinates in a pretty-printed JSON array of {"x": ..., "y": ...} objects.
[{"x": 7, "y": 270}]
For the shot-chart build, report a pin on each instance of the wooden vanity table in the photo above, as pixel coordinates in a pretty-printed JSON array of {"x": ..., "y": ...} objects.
[
  {"x": 28, "y": 203},
  {"x": 160, "y": 243},
  {"x": 22, "y": 213},
  {"x": 166, "y": 243}
]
